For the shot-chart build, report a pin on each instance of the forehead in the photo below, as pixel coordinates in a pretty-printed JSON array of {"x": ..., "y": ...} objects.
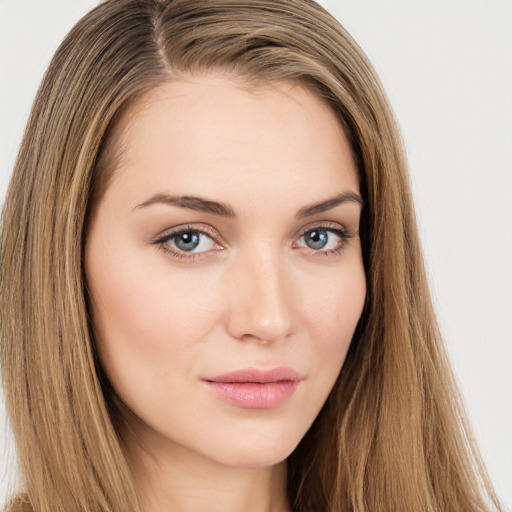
[{"x": 208, "y": 134}]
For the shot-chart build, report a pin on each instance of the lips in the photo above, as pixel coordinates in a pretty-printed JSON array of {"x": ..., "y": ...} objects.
[{"x": 253, "y": 388}]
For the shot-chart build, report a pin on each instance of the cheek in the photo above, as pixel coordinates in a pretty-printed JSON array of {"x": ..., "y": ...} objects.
[
  {"x": 333, "y": 305},
  {"x": 147, "y": 320},
  {"x": 332, "y": 308},
  {"x": 331, "y": 301}
]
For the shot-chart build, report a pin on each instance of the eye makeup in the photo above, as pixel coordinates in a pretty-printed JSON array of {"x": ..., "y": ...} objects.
[
  {"x": 191, "y": 242},
  {"x": 318, "y": 241},
  {"x": 169, "y": 242}
]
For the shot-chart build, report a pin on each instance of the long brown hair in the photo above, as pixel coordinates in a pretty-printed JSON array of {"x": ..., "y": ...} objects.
[{"x": 392, "y": 435}]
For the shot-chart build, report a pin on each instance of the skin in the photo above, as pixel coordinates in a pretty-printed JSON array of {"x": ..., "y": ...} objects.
[{"x": 253, "y": 294}]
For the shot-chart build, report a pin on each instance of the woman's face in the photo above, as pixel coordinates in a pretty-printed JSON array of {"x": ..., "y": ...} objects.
[{"x": 224, "y": 267}]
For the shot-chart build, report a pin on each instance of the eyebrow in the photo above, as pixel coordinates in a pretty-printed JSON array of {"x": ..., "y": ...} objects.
[
  {"x": 192, "y": 203},
  {"x": 329, "y": 204},
  {"x": 224, "y": 210}
]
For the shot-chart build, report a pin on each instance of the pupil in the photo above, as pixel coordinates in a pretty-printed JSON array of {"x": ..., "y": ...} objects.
[
  {"x": 187, "y": 241},
  {"x": 317, "y": 239}
]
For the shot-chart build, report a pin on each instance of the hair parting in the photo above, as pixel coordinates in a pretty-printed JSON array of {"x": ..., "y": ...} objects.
[{"x": 393, "y": 434}]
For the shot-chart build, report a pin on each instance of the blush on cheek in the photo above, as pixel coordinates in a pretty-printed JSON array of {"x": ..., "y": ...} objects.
[
  {"x": 337, "y": 322},
  {"x": 338, "y": 310}
]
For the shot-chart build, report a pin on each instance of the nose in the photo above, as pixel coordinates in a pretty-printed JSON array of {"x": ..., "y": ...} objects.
[{"x": 260, "y": 298}]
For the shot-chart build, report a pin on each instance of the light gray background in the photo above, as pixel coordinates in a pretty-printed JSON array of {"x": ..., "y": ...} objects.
[{"x": 447, "y": 67}]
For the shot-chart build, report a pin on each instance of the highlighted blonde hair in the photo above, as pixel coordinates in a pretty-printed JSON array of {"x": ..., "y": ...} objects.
[{"x": 393, "y": 434}]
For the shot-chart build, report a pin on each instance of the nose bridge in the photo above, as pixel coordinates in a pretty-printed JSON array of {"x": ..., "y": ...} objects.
[{"x": 260, "y": 304}]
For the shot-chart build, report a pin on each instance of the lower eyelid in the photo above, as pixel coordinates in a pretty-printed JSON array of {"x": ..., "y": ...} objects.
[{"x": 163, "y": 241}]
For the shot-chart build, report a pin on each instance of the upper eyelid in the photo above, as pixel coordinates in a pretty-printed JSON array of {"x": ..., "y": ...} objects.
[
  {"x": 204, "y": 229},
  {"x": 215, "y": 235},
  {"x": 327, "y": 225}
]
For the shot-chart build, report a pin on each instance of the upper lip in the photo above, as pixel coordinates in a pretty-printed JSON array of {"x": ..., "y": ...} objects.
[{"x": 260, "y": 376}]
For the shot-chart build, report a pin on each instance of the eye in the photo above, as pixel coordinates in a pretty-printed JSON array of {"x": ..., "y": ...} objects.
[
  {"x": 186, "y": 242},
  {"x": 324, "y": 239},
  {"x": 192, "y": 241}
]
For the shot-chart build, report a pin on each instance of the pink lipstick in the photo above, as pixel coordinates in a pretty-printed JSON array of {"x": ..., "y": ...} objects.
[{"x": 252, "y": 388}]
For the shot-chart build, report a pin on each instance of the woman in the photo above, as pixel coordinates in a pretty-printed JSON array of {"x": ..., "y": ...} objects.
[{"x": 212, "y": 286}]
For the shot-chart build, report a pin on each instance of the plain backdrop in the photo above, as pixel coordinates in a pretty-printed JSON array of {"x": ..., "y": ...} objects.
[{"x": 447, "y": 68}]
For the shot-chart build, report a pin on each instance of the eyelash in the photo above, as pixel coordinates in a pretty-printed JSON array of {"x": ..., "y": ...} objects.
[
  {"x": 344, "y": 236},
  {"x": 162, "y": 241}
]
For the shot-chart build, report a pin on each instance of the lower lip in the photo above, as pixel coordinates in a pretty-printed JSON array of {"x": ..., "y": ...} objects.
[{"x": 253, "y": 395}]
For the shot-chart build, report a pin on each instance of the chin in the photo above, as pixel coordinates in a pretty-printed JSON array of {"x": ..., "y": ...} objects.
[
  {"x": 259, "y": 450},
  {"x": 255, "y": 459}
]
